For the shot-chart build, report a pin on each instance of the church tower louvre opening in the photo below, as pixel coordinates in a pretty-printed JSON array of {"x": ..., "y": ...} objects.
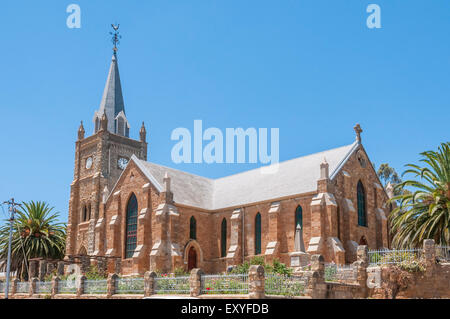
[{"x": 100, "y": 160}]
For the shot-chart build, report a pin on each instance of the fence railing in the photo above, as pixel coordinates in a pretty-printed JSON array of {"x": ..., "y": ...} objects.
[
  {"x": 396, "y": 256},
  {"x": 43, "y": 287},
  {"x": 67, "y": 287},
  {"x": 172, "y": 285},
  {"x": 129, "y": 286},
  {"x": 23, "y": 287},
  {"x": 443, "y": 252},
  {"x": 339, "y": 273},
  {"x": 225, "y": 284},
  {"x": 276, "y": 284},
  {"x": 95, "y": 287}
]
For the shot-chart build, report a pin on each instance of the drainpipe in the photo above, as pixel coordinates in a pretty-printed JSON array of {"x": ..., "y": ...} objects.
[{"x": 243, "y": 234}]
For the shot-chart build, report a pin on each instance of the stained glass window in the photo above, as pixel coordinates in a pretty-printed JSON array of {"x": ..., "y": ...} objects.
[
  {"x": 131, "y": 226},
  {"x": 361, "y": 197},
  {"x": 299, "y": 217},
  {"x": 258, "y": 234},
  {"x": 193, "y": 228}
]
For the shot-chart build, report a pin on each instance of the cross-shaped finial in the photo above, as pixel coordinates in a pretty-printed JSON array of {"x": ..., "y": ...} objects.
[{"x": 358, "y": 131}]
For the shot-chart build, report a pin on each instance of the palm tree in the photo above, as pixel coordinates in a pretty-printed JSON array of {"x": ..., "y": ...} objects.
[
  {"x": 36, "y": 233},
  {"x": 424, "y": 213}
]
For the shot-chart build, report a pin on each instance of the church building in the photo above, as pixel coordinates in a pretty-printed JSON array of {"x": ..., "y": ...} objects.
[{"x": 152, "y": 217}]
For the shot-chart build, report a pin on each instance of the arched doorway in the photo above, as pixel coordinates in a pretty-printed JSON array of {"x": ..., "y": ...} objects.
[{"x": 192, "y": 258}]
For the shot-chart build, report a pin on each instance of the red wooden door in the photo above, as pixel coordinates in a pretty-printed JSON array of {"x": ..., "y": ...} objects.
[{"x": 192, "y": 259}]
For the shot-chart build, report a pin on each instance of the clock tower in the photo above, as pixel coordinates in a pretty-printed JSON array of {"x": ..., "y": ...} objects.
[{"x": 99, "y": 161}]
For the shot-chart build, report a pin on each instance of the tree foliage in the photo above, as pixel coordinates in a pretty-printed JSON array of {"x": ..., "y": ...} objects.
[
  {"x": 424, "y": 213},
  {"x": 36, "y": 234}
]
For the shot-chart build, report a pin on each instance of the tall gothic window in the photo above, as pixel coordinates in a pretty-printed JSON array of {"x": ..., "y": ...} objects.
[
  {"x": 361, "y": 197},
  {"x": 223, "y": 238},
  {"x": 193, "y": 228},
  {"x": 85, "y": 212},
  {"x": 258, "y": 234},
  {"x": 131, "y": 226},
  {"x": 299, "y": 217}
]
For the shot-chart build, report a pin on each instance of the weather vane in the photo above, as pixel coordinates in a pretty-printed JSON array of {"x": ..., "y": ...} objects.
[{"x": 116, "y": 37}]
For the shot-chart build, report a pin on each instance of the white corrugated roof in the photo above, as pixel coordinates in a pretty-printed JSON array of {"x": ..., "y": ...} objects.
[{"x": 293, "y": 177}]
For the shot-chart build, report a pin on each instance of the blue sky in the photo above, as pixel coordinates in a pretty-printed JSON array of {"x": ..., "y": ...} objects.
[{"x": 310, "y": 68}]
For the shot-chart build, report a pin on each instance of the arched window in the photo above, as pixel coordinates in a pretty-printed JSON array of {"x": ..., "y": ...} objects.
[
  {"x": 258, "y": 234},
  {"x": 223, "y": 238},
  {"x": 131, "y": 226},
  {"x": 299, "y": 217},
  {"x": 89, "y": 212},
  {"x": 361, "y": 197},
  {"x": 84, "y": 214},
  {"x": 192, "y": 228}
]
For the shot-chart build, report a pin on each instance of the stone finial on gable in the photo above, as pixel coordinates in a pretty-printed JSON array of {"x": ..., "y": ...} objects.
[
  {"x": 81, "y": 131},
  {"x": 358, "y": 131},
  {"x": 390, "y": 190},
  {"x": 167, "y": 193},
  {"x": 104, "y": 122},
  {"x": 166, "y": 182},
  {"x": 324, "y": 169}
]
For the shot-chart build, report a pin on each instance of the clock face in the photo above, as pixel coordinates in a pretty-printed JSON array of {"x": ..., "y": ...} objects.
[
  {"x": 89, "y": 162},
  {"x": 122, "y": 162}
]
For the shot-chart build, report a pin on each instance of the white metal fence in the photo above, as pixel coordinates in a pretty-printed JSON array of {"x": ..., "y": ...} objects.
[
  {"x": 225, "y": 284},
  {"x": 95, "y": 287},
  {"x": 23, "y": 287},
  {"x": 443, "y": 253},
  {"x": 276, "y": 284},
  {"x": 395, "y": 256},
  {"x": 129, "y": 286},
  {"x": 172, "y": 285},
  {"x": 67, "y": 287},
  {"x": 339, "y": 273},
  {"x": 43, "y": 287}
]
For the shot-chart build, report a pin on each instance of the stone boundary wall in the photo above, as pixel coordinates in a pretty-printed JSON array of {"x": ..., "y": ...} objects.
[{"x": 369, "y": 282}]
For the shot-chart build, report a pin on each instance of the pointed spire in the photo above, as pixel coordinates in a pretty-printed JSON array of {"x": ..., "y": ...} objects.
[
  {"x": 81, "y": 131},
  {"x": 112, "y": 101},
  {"x": 142, "y": 133}
]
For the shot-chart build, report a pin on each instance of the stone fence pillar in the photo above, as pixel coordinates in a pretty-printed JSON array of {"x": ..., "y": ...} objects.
[
  {"x": 33, "y": 283},
  {"x": 42, "y": 269},
  {"x": 429, "y": 256},
  {"x": 149, "y": 283},
  {"x": 256, "y": 282},
  {"x": 55, "y": 282},
  {"x": 111, "y": 284},
  {"x": 33, "y": 269},
  {"x": 80, "y": 285},
  {"x": 14, "y": 286},
  {"x": 60, "y": 268},
  {"x": 360, "y": 266},
  {"x": 85, "y": 264},
  {"x": 195, "y": 282},
  {"x": 50, "y": 268},
  {"x": 316, "y": 286}
]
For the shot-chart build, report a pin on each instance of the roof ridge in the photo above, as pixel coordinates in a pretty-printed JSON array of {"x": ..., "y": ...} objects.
[
  {"x": 289, "y": 160},
  {"x": 246, "y": 171}
]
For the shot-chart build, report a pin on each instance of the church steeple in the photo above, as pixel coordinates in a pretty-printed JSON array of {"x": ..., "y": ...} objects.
[{"x": 112, "y": 101}]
